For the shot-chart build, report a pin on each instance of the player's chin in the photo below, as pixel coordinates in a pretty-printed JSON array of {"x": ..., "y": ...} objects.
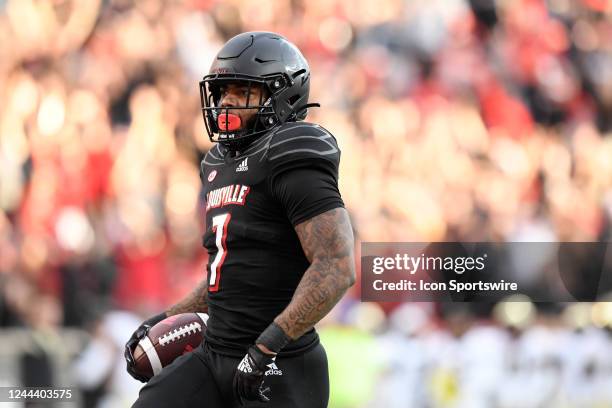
[{"x": 248, "y": 121}]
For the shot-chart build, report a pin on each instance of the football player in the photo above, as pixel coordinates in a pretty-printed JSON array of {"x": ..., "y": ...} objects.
[{"x": 280, "y": 242}]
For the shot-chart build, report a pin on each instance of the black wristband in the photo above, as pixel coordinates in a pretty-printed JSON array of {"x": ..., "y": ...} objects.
[{"x": 274, "y": 338}]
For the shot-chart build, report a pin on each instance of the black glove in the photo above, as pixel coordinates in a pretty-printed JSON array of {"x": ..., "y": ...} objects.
[
  {"x": 138, "y": 335},
  {"x": 249, "y": 376}
]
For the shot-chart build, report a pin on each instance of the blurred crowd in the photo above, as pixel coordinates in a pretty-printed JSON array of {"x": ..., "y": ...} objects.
[
  {"x": 471, "y": 120},
  {"x": 521, "y": 356}
]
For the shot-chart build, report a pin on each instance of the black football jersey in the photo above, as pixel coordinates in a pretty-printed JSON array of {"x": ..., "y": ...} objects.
[{"x": 253, "y": 201}]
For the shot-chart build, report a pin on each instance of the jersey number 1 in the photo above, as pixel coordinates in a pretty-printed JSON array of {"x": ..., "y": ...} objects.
[{"x": 219, "y": 227}]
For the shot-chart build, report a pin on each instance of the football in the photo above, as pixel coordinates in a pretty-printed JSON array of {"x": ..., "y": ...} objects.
[{"x": 168, "y": 340}]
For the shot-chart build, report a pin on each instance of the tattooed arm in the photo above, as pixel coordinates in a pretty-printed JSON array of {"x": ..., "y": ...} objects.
[
  {"x": 327, "y": 240},
  {"x": 196, "y": 301}
]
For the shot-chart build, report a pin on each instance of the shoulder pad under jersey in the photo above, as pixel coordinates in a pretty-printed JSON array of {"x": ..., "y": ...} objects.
[
  {"x": 214, "y": 157},
  {"x": 302, "y": 140}
]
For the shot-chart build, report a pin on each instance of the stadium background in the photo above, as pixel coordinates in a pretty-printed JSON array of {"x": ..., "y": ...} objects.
[{"x": 458, "y": 120}]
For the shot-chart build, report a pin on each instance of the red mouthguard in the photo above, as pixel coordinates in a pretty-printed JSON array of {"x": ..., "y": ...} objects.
[{"x": 228, "y": 122}]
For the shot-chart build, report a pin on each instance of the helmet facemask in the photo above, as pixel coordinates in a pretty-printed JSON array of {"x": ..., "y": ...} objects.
[{"x": 221, "y": 121}]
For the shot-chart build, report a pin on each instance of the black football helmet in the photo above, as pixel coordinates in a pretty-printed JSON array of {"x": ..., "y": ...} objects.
[{"x": 256, "y": 59}]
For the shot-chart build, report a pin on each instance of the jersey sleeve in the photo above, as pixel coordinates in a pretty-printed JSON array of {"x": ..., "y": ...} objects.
[{"x": 303, "y": 161}]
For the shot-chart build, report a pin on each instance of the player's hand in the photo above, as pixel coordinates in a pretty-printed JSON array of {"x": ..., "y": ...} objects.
[
  {"x": 138, "y": 335},
  {"x": 250, "y": 374}
]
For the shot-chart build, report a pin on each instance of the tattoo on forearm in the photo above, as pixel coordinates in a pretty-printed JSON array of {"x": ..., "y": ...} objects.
[
  {"x": 327, "y": 240},
  {"x": 196, "y": 301}
]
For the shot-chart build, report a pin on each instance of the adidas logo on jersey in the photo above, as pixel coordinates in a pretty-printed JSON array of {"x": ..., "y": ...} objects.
[
  {"x": 243, "y": 166},
  {"x": 273, "y": 370}
]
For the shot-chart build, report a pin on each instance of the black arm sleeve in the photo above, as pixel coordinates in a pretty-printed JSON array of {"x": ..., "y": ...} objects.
[{"x": 307, "y": 191}]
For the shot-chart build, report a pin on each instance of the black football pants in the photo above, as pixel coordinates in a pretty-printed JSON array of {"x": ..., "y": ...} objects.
[{"x": 203, "y": 379}]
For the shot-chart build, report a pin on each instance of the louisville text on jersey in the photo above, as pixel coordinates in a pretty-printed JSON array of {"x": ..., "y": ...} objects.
[{"x": 232, "y": 194}]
